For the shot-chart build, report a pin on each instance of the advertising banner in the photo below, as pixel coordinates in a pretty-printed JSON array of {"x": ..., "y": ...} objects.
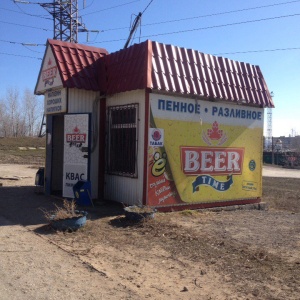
[
  {"x": 203, "y": 152},
  {"x": 76, "y": 150}
]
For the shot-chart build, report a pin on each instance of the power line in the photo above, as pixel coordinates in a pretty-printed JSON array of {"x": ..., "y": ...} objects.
[
  {"x": 22, "y": 13},
  {"x": 208, "y": 27},
  {"x": 31, "y": 15},
  {"x": 222, "y": 13},
  {"x": 85, "y": 7},
  {"x": 23, "y": 44},
  {"x": 3, "y": 53},
  {"x": 208, "y": 15},
  {"x": 25, "y": 25},
  {"x": 258, "y": 51},
  {"x": 222, "y": 25},
  {"x": 117, "y": 6}
]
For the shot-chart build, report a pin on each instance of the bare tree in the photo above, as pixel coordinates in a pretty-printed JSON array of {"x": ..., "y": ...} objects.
[
  {"x": 20, "y": 118},
  {"x": 32, "y": 112},
  {"x": 3, "y": 119},
  {"x": 13, "y": 111}
]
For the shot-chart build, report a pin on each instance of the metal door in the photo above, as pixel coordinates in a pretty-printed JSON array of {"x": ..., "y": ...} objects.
[{"x": 76, "y": 151}]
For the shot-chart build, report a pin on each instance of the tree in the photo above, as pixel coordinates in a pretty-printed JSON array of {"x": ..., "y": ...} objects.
[
  {"x": 19, "y": 118},
  {"x": 33, "y": 112},
  {"x": 3, "y": 119}
]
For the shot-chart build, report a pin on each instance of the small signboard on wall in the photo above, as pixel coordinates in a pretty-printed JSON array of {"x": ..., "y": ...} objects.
[
  {"x": 55, "y": 101},
  {"x": 76, "y": 151},
  {"x": 49, "y": 77}
]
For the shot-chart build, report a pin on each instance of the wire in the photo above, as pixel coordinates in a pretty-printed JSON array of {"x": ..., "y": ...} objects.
[
  {"x": 24, "y": 25},
  {"x": 222, "y": 13},
  {"x": 149, "y": 5},
  {"x": 19, "y": 12},
  {"x": 89, "y": 5},
  {"x": 94, "y": 12},
  {"x": 20, "y": 55},
  {"x": 23, "y": 44},
  {"x": 208, "y": 27},
  {"x": 258, "y": 51},
  {"x": 27, "y": 47},
  {"x": 31, "y": 15},
  {"x": 222, "y": 25},
  {"x": 208, "y": 15}
]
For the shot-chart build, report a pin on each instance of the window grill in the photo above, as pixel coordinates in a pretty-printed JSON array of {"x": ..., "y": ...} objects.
[{"x": 122, "y": 144}]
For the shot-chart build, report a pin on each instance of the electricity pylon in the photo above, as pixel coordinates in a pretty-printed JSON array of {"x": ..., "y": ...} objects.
[{"x": 66, "y": 24}]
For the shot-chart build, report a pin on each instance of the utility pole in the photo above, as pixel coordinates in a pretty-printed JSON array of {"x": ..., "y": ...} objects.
[{"x": 133, "y": 29}]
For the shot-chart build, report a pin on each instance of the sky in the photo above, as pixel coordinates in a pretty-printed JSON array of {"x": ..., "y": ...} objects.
[{"x": 259, "y": 32}]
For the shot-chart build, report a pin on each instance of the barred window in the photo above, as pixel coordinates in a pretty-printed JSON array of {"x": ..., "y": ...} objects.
[{"x": 122, "y": 144}]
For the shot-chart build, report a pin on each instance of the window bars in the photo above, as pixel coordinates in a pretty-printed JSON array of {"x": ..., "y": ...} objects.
[{"x": 122, "y": 140}]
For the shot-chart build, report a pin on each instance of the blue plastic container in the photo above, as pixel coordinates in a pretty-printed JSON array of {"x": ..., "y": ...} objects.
[
  {"x": 82, "y": 193},
  {"x": 73, "y": 223}
]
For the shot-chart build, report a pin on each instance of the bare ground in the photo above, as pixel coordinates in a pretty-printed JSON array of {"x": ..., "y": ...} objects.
[{"x": 236, "y": 254}]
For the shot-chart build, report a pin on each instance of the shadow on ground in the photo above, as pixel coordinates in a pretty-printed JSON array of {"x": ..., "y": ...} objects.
[{"x": 23, "y": 206}]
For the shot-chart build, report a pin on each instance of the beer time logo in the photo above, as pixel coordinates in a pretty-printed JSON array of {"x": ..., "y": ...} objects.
[
  {"x": 206, "y": 161},
  {"x": 76, "y": 138},
  {"x": 49, "y": 74}
]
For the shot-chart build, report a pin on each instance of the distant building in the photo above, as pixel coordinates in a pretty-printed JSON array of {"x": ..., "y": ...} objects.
[{"x": 289, "y": 143}]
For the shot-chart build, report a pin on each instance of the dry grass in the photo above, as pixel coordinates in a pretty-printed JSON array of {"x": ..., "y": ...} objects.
[
  {"x": 282, "y": 193},
  {"x": 68, "y": 210},
  {"x": 10, "y": 152}
]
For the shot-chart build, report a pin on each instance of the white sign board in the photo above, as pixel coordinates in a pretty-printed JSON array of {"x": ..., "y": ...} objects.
[
  {"x": 49, "y": 77},
  {"x": 76, "y": 143},
  {"x": 55, "y": 102}
]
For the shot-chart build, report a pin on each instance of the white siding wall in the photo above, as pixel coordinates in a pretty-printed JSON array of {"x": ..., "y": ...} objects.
[
  {"x": 126, "y": 189},
  {"x": 81, "y": 101}
]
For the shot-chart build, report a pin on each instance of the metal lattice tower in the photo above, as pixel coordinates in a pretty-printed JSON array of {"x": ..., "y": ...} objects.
[
  {"x": 66, "y": 20},
  {"x": 269, "y": 129}
]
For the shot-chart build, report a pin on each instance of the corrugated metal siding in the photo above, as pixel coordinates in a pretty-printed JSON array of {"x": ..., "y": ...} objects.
[
  {"x": 126, "y": 189},
  {"x": 79, "y": 65},
  {"x": 189, "y": 72},
  {"x": 81, "y": 101}
]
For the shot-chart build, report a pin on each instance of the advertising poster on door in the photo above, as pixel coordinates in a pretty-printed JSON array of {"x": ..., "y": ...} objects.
[
  {"x": 76, "y": 150},
  {"x": 203, "y": 152}
]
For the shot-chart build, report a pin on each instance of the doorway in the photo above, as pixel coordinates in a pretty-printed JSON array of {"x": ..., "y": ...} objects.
[{"x": 57, "y": 155}]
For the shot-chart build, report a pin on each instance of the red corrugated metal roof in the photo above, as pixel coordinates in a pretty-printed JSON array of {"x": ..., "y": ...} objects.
[
  {"x": 127, "y": 69},
  {"x": 78, "y": 64},
  {"x": 163, "y": 68},
  {"x": 184, "y": 71}
]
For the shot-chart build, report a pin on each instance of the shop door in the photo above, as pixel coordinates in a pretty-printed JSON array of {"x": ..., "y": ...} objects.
[
  {"x": 57, "y": 154},
  {"x": 76, "y": 151}
]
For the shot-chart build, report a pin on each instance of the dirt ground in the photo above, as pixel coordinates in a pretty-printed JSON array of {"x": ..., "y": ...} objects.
[{"x": 224, "y": 254}]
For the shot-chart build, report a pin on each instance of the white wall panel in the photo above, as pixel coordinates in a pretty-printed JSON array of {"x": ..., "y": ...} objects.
[{"x": 126, "y": 189}]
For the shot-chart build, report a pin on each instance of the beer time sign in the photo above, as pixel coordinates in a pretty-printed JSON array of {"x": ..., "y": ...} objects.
[{"x": 211, "y": 152}]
